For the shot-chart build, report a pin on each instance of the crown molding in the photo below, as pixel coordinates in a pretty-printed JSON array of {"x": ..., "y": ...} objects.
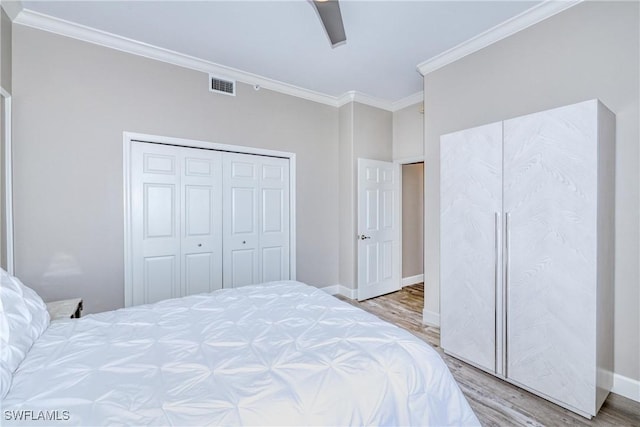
[
  {"x": 509, "y": 27},
  {"x": 62, "y": 27},
  {"x": 12, "y": 8},
  {"x": 362, "y": 98},
  {"x": 346, "y": 98},
  {"x": 354, "y": 96},
  {"x": 408, "y": 101}
]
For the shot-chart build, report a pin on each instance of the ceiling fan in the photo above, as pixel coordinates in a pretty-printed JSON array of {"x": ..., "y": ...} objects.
[{"x": 331, "y": 17}]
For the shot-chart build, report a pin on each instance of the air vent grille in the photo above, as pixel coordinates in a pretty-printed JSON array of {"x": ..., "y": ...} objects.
[{"x": 222, "y": 85}]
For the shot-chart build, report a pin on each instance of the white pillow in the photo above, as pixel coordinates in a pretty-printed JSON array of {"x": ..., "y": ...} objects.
[{"x": 23, "y": 318}]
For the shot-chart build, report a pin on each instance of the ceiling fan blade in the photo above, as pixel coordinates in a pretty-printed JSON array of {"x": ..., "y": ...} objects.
[{"x": 329, "y": 11}]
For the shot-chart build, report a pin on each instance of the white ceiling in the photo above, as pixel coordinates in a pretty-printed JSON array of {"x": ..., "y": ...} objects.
[{"x": 284, "y": 40}]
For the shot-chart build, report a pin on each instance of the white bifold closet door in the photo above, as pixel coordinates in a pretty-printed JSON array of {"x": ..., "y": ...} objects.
[
  {"x": 471, "y": 206},
  {"x": 176, "y": 216},
  {"x": 255, "y": 219},
  {"x": 205, "y": 219}
]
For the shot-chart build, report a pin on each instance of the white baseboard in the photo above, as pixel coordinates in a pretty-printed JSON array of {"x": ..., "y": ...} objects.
[
  {"x": 430, "y": 318},
  {"x": 341, "y": 290},
  {"x": 627, "y": 387},
  {"x": 412, "y": 280}
]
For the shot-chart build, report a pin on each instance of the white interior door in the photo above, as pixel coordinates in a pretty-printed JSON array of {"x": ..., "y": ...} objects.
[
  {"x": 256, "y": 219},
  {"x": 176, "y": 227},
  {"x": 378, "y": 229},
  {"x": 470, "y": 210}
]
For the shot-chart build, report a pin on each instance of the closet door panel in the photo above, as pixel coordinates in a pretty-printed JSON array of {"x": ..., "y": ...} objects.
[
  {"x": 243, "y": 267},
  {"x": 274, "y": 220},
  {"x": 241, "y": 221},
  {"x": 550, "y": 197},
  {"x": 470, "y": 207},
  {"x": 201, "y": 245},
  {"x": 198, "y": 274},
  {"x": 243, "y": 210},
  {"x": 159, "y": 278},
  {"x": 155, "y": 225}
]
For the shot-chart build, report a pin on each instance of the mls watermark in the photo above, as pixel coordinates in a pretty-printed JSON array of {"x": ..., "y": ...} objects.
[{"x": 31, "y": 415}]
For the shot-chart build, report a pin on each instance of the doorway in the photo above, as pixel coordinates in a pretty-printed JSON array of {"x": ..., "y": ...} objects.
[{"x": 412, "y": 246}]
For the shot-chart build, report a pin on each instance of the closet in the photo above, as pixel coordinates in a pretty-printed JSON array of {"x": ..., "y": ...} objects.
[
  {"x": 204, "y": 219},
  {"x": 526, "y": 242}
]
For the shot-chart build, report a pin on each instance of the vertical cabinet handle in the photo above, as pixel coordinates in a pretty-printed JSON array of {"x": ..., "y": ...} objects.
[
  {"x": 496, "y": 272},
  {"x": 507, "y": 260}
]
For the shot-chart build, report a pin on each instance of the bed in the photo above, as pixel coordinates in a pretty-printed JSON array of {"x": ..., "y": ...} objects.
[{"x": 281, "y": 353}]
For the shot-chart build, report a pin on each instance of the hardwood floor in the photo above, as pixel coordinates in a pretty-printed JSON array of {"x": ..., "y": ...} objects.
[{"x": 495, "y": 402}]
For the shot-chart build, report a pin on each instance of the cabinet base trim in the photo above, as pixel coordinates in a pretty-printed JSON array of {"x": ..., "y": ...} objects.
[
  {"x": 519, "y": 385},
  {"x": 584, "y": 414}
]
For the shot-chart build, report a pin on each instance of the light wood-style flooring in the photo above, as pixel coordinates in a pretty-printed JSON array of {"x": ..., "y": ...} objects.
[{"x": 495, "y": 402}]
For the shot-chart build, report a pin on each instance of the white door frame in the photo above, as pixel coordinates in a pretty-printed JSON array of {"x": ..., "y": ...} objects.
[
  {"x": 8, "y": 179},
  {"x": 400, "y": 163},
  {"x": 129, "y": 137}
]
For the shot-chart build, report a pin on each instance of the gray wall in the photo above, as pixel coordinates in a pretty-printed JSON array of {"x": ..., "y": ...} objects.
[
  {"x": 589, "y": 51},
  {"x": 73, "y": 100},
  {"x": 408, "y": 132},
  {"x": 347, "y": 205},
  {"x": 373, "y": 133},
  {"x": 412, "y": 219}
]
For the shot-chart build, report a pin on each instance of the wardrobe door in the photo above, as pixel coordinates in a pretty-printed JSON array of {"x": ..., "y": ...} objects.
[
  {"x": 470, "y": 208},
  {"x": 550, "y": 203},
  {"x": 201, "y": 220}
]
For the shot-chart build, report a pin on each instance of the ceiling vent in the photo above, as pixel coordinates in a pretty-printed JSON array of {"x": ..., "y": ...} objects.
[{"x": 222, "y": 85}]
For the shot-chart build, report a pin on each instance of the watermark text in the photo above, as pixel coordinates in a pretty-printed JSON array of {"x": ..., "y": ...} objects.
[{"x": 31, "y": 415}]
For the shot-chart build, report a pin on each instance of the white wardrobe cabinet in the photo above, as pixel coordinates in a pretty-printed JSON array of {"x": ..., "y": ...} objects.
[
  {"x": 526, "y": 240},
  {"x": 205, "y": 219}
]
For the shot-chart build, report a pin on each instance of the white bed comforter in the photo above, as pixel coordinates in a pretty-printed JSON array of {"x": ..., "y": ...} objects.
[{"x": 281, "y": 353}]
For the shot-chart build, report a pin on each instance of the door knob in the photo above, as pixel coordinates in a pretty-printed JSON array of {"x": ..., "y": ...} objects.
[{"x": 363, "y": 237}]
